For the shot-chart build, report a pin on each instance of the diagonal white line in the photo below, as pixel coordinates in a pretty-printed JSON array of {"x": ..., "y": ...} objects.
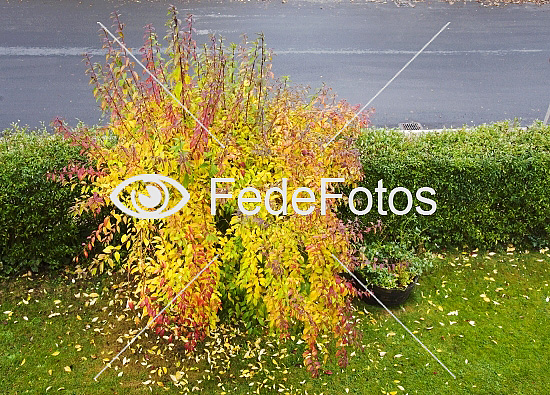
[
  {"x": 393, "y": 315},
  {"x": 387, "y": 84},
  {"x": 153, "y": 320},
  {"x": 160, "y": 83},
  {"x": 547, "y": 116}
]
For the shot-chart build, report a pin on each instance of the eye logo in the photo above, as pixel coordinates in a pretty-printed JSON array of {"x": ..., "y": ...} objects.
[{"x": 153, "y": 199}]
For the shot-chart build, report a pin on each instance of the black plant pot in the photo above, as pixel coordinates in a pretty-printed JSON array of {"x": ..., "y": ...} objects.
[{"x": 390, "y": 297}]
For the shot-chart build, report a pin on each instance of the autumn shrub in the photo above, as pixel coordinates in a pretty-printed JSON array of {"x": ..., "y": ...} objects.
[{"x": 269, "y": 271}]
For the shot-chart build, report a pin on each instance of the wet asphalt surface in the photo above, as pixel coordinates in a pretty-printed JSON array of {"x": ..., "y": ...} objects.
[{"x": 490, "y": 64}]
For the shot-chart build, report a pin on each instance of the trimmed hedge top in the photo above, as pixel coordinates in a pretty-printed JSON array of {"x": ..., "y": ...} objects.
[
  {"x": 35, "y": 224},
  {"x": 491, "y": 184}
]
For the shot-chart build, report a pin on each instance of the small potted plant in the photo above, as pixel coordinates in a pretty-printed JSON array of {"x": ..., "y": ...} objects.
[{"x": 390, "y": 271}]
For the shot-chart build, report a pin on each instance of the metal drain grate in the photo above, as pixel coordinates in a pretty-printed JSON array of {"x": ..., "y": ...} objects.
[{"x": 410, "y": 126}]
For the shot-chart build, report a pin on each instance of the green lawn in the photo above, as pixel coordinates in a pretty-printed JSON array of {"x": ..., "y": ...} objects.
[{"x": 485, "y": 317}]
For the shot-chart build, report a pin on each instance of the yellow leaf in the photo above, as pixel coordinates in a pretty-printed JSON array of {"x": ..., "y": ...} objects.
[
  {"x": 67, "y": 369},
  {"x": 23, "y": 362},
  {"x": 50, "y": 372},
  {"x": 55, "y": 354}
]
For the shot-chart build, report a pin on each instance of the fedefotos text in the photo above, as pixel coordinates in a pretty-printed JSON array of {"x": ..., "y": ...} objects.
[{"x": 307, "y": 195}]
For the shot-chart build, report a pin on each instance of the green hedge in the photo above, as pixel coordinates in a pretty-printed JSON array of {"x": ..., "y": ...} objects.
[
  {"x": 492, "y": 184},
  {"x": 35, "y": 224}
]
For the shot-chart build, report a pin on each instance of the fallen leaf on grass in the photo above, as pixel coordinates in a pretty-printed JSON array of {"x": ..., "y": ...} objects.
[
  {"x": 453, "y": 312},
  {"x": 67, "y": 369},
  {"x": 55, "y": 354}
]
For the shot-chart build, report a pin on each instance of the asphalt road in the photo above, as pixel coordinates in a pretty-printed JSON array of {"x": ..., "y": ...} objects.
[{"x": 490, "y": 64}]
